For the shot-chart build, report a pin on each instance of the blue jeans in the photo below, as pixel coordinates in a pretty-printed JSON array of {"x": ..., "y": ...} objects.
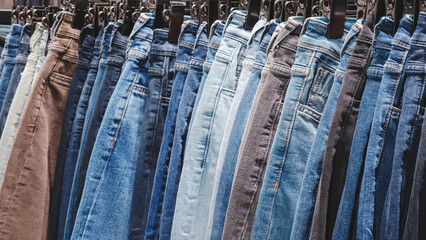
[
  {"x": 161, "y": 71},
  {"x": 202, "y": 146},
  {"x": 380, "y": 149},
  {"x": 312, "y": 77},
  {"x": 85, "y": 52},
  {"x": 108, "y": 190},
  {"x": 344, "y": 227},
  {"x": 184, "y": 54},
  {"x": 201, "y": 59},
  {"x": 87, "y": 105},
  {"x": 11, "y": 51},
  {"x": 246, "y": 89},
  {"x": 407, "y": 138},
  {"x": 20, "y": 62},
  {"x": 312, "y": 172}
]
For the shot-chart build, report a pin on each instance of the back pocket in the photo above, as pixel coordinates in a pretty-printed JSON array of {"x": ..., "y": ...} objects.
[{"x": 320, "y": 89}]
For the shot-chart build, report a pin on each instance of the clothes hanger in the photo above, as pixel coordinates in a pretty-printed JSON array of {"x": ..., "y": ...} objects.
[
  {"x": 395, "y": 10},
  {"x": 80, "y": 7},
  {"x": 129, "y": 13},
  {"x": 336, "y": 26},
  {"x": 253, "y": 12}
]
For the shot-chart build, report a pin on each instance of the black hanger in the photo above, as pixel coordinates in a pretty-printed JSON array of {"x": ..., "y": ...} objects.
[
  {"x": 80, "y": 7},
  {"x": 177, "y": 12},
  {"x": 253, "y": 12},
  {"x": 336, "y": 26},
  {"x": 35, "y": 15},
  {"x": 394, "y": 8},
  {"x": 129, "y": 13}
]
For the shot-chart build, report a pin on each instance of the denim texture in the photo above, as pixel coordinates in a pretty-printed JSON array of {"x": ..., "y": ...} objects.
[
  {"x": 3, "y": 50},
  {"x": 109, "y": 185},
  {"x": 203, "y": 143},
  {"x": 246, "y": 89},
  {"x": 316, "y": 60},
  {"x": 28, "y": 179},
  {"x": 67, "y": 210},
  {"x": 14, "y": 115},
  {"x": 186, "y": 45},
  {"x": 200, "y": 65},
  {"x": 312, "y": 172},
  {"x": 42, "y": 55},
  {"x": 335, "y": 162},
  {"x": 345, "y": 221},
  {"x": 82, "y": 163},
  {"x": 407, "y": 138},
  {"x": 380, "y": 149},
  {"x": 20, "y": 62},
  {"x": 11, "y": 52},
  {"x": 162, "y": 58},
  {"x": 85, "y": 51}
]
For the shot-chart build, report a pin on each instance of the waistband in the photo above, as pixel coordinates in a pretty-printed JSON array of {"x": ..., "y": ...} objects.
[
  {"x": 188, "y": 34},
  {"x": 64, "y": 29},
  {"x": 319, "y": 25},
  {"x": 291, "y": 27},
  {"x": 141, "y": 37},
  {"x": 160, "y": 44},
  {"x": 418, "y": 38},
  {"x": 267, "y": 34},
  {"x": 118, "y": 41},
  {"x": 216, "y": 32},
  {"x": 234, "y": 28},
  {"x": 201, "y": 37},
  {"x": 37, "y": 35},
  {"x": 86, "y": 44},
  {"x": 14, "y": 37},
  {"x": 26, "y": 34},
  {"x": 352, "y": 35},
  {"x": 383, "y": 33},
  {"x": 402, "y": 36}
]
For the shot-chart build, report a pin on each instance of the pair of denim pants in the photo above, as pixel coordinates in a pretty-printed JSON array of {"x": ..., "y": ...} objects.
[
  {"x": 311, "y": 176},
  {"x": 186, "y": 47},
  {"x": 344, "y": 227},
  {"x": 381, "y": 143},
  {"x": 201, "y": 62},
  {"x": 407, "y": 138},
  {"x": 110, "y": 181},
  {"x": 85, "y": 51},
  {"x": 312, "y": 76},
  {"x": 42, "y": 55},
  {"x": 11, "y": 51},
  {"x": 11, "y": 122},
  {"x": 68, "y": 194},
  {"x": 243, "y": 100},
  {"x": 20, "y": 62},
  {"x": 162, "y": 58},
  {"x": 82, "y": 164},
  {"x": 28, "y": 180},
  {"x": 202, "y": 146},
  {"x": 335, "y": 162},
  {"x": 263, "y": 118}
]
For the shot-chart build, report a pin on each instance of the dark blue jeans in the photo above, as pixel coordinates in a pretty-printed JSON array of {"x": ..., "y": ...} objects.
[
  {"x": 182, "y": 66},
  {"x": 20, "y": 61},
  {"x": 161, "y": 71},
  {"x": 382, "y": 44},
  {"x": 85, "y": 53},
  {"x": 11, "y": 51},
  {"x": 407, "y": 138}
]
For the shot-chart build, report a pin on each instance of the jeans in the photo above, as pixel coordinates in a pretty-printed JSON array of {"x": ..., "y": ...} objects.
[
  {"x": 380, "y": 149},
  {"x": 262, "y": 121},
  {"x": 12, "y": 121},
  {"x": 161, "y": 71},
  {"x": 85, "y": 49},
  {"x": 28, "y": 179},
  {"x": 311, "y": 176},
  {"x": 312, "y": 76},
  {"x": 11, "y": 51},
  {"x": 345, "y": 221},
  {"x": 202, "y": 146},
  {"x": 42, "y": 55},
  {"x": 235, "y": 125},
  {"x": 182, "y": 66},
  {"x": 200, "y": 65},
  {"x": 75, "y": 140},
  {"x": 20, "y": 62},
  {"x": 407, "y": 138},
  {"x": 335, "y": 163},
  {"x": 109, "y": 185}
]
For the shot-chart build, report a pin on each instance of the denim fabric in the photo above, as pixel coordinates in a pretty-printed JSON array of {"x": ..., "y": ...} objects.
[
  {"x": 85, "y": 50},
  {"x": 380, "y": 149},
  {"x": 69, "y": 194},
  {"x": 19, "y": 99},
  {"x": 200, "y": 65},
  {"x": 312, "y": 76},
  {"x": 12, "y": 50},
  {"x": 185, "y": 50},
  {"x": 202, "y": 146},
  {"x": 407, "y": 138},
  {"x": 311, "y": 177},
  {"x": 235, "y": 125},
  {"x": 107, "y": 194},
  {"x": 82, "y": 163},
  {"x": 3, "y": 50},
  {"x": 335, "y": 163},
  {"x": 42, "y": 55},
  {"x": 20, "y": 62},
  {"x": 345, "y": 222},
  {"x": 161, "y": 71},
  {"x": 262, "y": 121}
]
